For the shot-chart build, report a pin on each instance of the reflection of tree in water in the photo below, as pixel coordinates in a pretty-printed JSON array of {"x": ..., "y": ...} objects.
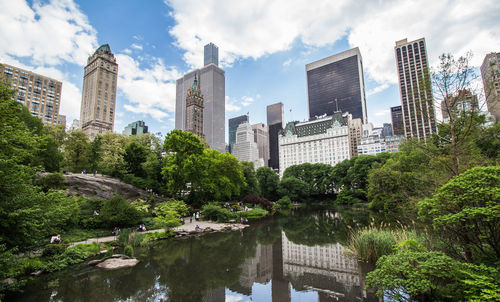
[{"x": 324, "y": 227}]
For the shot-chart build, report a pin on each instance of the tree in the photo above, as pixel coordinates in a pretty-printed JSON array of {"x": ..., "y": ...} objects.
[
  {"x": 135, "y": 156},
  {"x": 250, "y": 176},
  {"x": 316, "y": 176},
  {"x": 76, "y": 150},
  {"x": 112, "y": 161},
  {"x": 268, "y": 183},
  {"x": 117, "y": 211},
  {"x": 294, "y": 188},
  {"x": 169, "y": 213},
  {"x": 466, "y": 211},
  {"x": 95, "y": 152}
]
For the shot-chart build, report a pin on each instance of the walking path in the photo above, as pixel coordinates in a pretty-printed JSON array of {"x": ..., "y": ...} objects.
[{"x": 187, "y": 227}]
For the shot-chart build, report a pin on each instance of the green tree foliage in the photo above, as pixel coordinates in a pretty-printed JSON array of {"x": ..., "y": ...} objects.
[
  {"x": 268, "y": 183},
  {"x": 76, "y": 150},
  {"x": 112, "y": 161},
  {"x": 488, "y": 142},
  {"x": 467, "y": 211},
  {"x": 169, "y": 213},
  {"x": 316, "y": 176},
  {"x": 252, "y": 186},
  {"x": 135, "y": 156},
  {"x": 95, "y": 153},
  {"x": 294, "y": 188},
  {"x": 117, "y": 211},
  {"x": 50, "y": 181}
]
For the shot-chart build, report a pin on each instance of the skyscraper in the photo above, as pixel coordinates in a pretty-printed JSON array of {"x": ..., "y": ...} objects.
[
  {"x": 275, "y": 123},
  {"x": 464, "y": 100},
  {"x": 245, "y": 148},
  {"x": 211, "y": 80},
  {"x": 233, "y": 125},
  {"x": 490, "y": 71},
  {"x": 415, "y": 87},
  {"x": 335, "y": 84},
  {"x": 97, "y": 113},
  {"x": 194, "y": 110},
  {"x": 136, "y": 128},
  {"x": 261, "y": 137},
  {"x": 211, "y": 54},
  {"x": 40, "y": 94},
  {"x": 397, "y": 121}
]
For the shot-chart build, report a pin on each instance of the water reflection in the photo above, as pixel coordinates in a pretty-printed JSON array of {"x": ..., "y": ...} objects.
[{"x": 300, "y": 257}]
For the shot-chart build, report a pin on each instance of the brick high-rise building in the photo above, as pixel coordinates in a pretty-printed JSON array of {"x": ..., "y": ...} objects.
[
  {"x": 194, "y": 110},
  {"x": 490, "y": 71},
  {"x": 40, "y": 94},
  {"x": 97, "y": 113},
  {"x": 415, "y": 88}
]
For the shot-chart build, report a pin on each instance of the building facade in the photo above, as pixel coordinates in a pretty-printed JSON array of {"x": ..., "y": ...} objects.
[
  {"x": 490, "y": 71},
  {"x": 97, "y": 112},
  {"x": 336, "y": 84},
  {"x": 245, "y": 148},
  {"x": 261, "y": 137},
  {"x": 74, "y": 125},
  {"x": 323, "y": 140},
  {"x": 194, "y": 110},
  {"x": 211, "y": 54},
  {"x": 275, "y": 119},
  {"x": 415, "y": 88},
  {"x": 61, "y": 120},
  {"x": 233, "y": 124},
  {"x": 463, "y": 101},
  {"x": 355, "y": 134},
  {"x": 136, "y": 128},
  {"x": 397, "y": 121},
  {"x": 40, "y": 94},
  {"x": 211, "y": 80}
]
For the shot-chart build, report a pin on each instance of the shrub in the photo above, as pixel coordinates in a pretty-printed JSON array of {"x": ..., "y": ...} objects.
[
  {"x": 50, "y": 181},
  {"x": 255, "y": 200},
  {"x": 117, "y": 211},
  {"x": 137, "y": 182},
  {"x": 53, "y": 249},
  {"x": 217, "y": 213},
  {"x": 284, "y": 202},
  {"x": 129, "y": 251},
  {"x": 254, "y": 213},
  {"x": 31, "y": 265}
]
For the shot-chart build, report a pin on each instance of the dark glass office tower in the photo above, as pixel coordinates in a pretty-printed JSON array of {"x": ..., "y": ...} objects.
[
  {"x": 233, "y": 125},
  {"x": 397, "y": 121},
  {"x": 335, "y": 84},
  {"x": 415, "y": 88},
  {"x": 211, "y": 54},
  {"x": 275, "y": 123}
]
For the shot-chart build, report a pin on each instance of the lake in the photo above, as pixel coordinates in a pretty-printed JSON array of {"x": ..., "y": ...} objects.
[{"x": 301, "y": 257}]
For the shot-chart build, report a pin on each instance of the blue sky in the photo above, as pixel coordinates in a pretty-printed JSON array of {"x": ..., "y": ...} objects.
[{"x": 263, "y": 45}]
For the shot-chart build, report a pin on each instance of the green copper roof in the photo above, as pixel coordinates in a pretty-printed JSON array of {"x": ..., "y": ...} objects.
[
  {"x": 316, "y": 126},
  {"x": 103, "y": 49}
]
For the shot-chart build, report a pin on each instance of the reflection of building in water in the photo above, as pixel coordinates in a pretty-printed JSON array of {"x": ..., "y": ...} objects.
[
  {"x": 328, "y": 260},
  {"x": 256, "y": 269},
  {"x": 215, "y": 295}
]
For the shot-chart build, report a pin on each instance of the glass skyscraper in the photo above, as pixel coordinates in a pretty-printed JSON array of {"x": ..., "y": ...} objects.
[
  {"x": 335, "y": 84},
  {"x": 233, "y": 125},
  {"x": 211, "y": 54},
  {"x": 275, "y": 124}
]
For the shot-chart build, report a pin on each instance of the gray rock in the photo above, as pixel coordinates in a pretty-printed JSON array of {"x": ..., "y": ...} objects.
[
  {"x": 116, "y": 263},
  {"x": 94, "y": 262},
  {"x": 36, "y": 274}
]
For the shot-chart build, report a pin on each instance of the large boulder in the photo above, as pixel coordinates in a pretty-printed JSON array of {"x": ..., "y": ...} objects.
[{"x": 116, "y": 263}]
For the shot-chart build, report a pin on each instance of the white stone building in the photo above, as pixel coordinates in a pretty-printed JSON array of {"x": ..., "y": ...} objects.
[
  {"x": 245, "y": 148},
  {"x": 324, "y": 140}
]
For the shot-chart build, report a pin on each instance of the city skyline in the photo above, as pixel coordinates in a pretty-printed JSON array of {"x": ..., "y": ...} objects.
[{"x": 260, "y": 70}]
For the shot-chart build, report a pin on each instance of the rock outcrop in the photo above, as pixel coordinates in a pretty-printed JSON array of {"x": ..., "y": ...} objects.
[
  {"x": 116, "y": 263},
  {"x": 105, "y": 187}
]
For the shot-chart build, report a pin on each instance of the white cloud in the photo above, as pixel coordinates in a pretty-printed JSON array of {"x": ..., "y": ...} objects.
[
  {"x": 136, "y": 46},
  {"x": 382, "y": 113},
  {"x": 46, "y": 33},
  {"x": 247, "y": 101},
  {"x": 253, "y": 29},
  {"x": 231, "y": 106},
  {"x": 150, "y": 90},
  {"x": 287, "y": 62},
  {"x": 377, "y": 89},
  {"x": 127, "y": 51}
]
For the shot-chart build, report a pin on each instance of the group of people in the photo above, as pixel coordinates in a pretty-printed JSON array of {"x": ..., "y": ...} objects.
[
  {"x": 196, "y": 216},
  {"x": 55, "y": 239},
  {"x": 141, "y": 228}
]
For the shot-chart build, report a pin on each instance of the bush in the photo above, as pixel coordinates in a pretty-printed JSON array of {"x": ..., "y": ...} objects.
[
  {"x": 217, "y": 213},
  {"x": 255, "y": 200},
  {"x": 129, "y": 251},
  {"x": 137, "y": 182},
  {"x": 50, "y": 181},
  {"x": 284, "y": 203},
  {"x": 117, "y": 211},
  {"x": 51, "y": 250}
]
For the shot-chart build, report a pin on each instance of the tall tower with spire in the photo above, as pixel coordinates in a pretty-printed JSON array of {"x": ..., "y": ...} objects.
[
  {"x": 194, "y": 109},
  {"x": 97, "y": 112}
]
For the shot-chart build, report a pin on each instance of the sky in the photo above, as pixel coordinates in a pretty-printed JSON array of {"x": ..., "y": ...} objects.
[{"x": 263, "y": 47}]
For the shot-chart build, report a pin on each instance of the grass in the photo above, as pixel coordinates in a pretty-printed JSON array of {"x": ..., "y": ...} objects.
[{"x": 370, "y": 243}]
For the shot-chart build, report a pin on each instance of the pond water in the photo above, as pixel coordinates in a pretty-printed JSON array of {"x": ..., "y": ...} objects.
[{"x": 296, "y": 258}]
